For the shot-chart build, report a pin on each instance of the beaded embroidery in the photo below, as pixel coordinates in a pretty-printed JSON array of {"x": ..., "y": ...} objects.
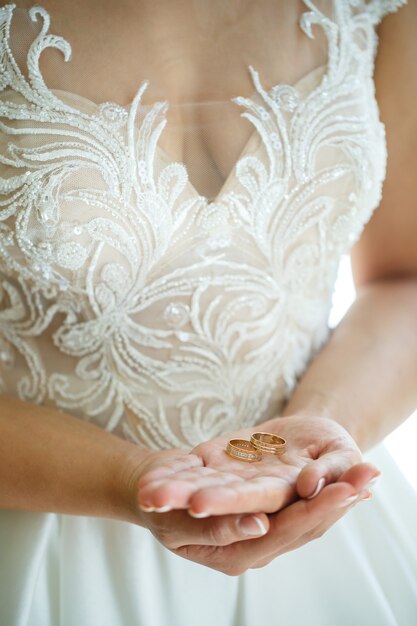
[{"x": 129, "y": 299}]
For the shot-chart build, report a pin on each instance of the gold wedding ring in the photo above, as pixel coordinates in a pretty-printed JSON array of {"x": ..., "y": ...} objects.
[
  {"x": 243, "y": 450},
  {"x": 269, "y": 443}
]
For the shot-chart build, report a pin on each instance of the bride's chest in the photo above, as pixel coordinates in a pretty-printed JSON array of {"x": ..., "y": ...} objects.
[
  {"x": 190, "y": 51},
  {"x": 99, "y": 186}
]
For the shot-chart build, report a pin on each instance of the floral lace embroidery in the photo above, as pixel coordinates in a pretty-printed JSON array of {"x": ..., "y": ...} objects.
[{"x": 131, "y": 300}]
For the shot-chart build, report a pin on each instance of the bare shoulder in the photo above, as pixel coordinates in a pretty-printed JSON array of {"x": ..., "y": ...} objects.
[{"x": 388, "y": 247}]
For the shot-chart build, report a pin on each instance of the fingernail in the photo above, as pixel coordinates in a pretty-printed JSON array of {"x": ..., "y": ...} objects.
[
  {"x": 163, "y": 509},
  {"x": 198, "y": 515},
  {"x": 317, "y": 490},
  {"x": 251, "y": 526},
  {"x": 365, "y": 494},
  {"x": 348, "y": 501},
  {"x": 372, "y": 482},
  {"x": 147, "y": 509}
]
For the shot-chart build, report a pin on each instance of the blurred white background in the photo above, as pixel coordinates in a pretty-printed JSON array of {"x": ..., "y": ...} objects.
[{"x": 403, "y": 441}]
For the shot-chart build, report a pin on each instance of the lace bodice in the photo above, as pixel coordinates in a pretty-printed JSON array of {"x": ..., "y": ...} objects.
[{"x": 128, "y": 298}]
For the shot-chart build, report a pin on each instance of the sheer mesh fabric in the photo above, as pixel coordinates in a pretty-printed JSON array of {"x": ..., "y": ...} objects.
[
  {"x": 204, "y": 129},
  {"x": 168, "y": 260}
]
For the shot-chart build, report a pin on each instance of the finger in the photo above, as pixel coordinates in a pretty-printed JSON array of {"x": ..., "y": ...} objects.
[
  {"x": 177, "y": 529},
  {"x": 326, "y": 469},
  {"x": 361, "y": 476},
  {"x": 288, "y": 526},
  {"x": 174, "y": 492},
  {"x": 363, "y": 496},
  {"x": 322, "y": 527},
  {"x": 164, "y": 467},
  {"x": 262, "y": 493}
]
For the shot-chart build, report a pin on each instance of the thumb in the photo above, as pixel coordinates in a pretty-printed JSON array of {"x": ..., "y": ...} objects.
[{"x": 326, "y": 469}]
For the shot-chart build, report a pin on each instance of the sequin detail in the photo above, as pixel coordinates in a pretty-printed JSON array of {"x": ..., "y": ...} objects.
[{"x": 132, "y": 301}]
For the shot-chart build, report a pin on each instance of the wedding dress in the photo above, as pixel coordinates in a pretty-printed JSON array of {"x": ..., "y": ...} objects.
[{"x": 169, "y": 300}]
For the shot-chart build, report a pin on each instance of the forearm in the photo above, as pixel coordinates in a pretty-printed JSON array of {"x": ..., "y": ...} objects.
[
  {"x": 366, "y": 375},
  {"x": 50, "y": 461}
]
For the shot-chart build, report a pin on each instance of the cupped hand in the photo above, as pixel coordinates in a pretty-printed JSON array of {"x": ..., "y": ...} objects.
[
  {"x": 234, "y": 496},
  {"x": 289, "y": 529},
  {"x": 177, "y": 530},
  {"x": 233, "y": 544},
  {"x": 209, "y": 482}
]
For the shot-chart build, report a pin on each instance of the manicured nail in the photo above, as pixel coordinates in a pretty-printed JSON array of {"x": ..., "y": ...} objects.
[
  {"x": 317, "y": 490},
  {"x": 147, "y": 509},
  {"x": 198, "y": 515},
  {"x": 251, "y": 526},
  {"x": 163, "y": 509},
  {"x": 348, "y": 501}
]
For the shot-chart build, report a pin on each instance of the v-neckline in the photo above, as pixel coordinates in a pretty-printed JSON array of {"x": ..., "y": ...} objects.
[
  {"x": 254, "y": 134},
  {"x": 324, "y": 69},
  {"x": 168, "y": 160}
]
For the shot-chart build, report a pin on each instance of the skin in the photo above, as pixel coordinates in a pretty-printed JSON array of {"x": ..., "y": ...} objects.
[
  {"x": 181, "y": 52},
  {"x": 331, "y": 416},
  {"x": 369, "y": 343}
]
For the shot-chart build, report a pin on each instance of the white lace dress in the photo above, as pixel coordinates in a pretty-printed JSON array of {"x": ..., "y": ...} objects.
[{"x": 167, "y": 315}]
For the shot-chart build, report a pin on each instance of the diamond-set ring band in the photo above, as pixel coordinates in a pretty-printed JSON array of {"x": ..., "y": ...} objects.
[{"x": 243, "y": 450}]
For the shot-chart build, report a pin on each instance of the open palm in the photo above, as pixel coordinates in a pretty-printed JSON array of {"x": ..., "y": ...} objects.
[{"x": 209, "y": 482}]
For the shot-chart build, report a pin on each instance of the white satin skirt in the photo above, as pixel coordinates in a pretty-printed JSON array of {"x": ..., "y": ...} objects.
[{"x": 64, "y": 570}]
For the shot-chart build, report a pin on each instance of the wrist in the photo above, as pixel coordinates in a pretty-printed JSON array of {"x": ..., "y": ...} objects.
[
  {"x": 312, "y": 402},
  {"x": 352, "y": 427},
  {"x": 128, "y": 467}
]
